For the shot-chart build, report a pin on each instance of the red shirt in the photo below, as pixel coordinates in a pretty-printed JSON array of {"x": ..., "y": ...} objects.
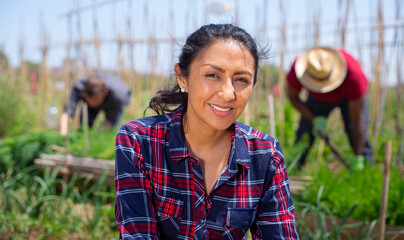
[{"x": 353, "y": 87}]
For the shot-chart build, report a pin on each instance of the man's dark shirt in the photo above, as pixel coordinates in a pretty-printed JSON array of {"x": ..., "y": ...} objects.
[{"x": 118, "y": 96}]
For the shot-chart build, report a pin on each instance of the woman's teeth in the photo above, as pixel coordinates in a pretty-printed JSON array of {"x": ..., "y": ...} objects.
[{"x": 220, "y": 109}]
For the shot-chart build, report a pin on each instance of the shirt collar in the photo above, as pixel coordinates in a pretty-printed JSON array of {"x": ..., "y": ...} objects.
[
  {"x": 177, "y": 146},
  {"x": 239, "y": 154}
]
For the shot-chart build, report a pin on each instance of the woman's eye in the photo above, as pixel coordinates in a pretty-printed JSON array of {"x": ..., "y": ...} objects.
[
  {"x": 243, "y": 80},
  {"x": 212, "y": 75}
]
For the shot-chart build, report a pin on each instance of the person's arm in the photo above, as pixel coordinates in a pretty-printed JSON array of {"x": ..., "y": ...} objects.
[
  {"x": 69, "y": 110},
  {"x": 112, "y": 116},
  {"x": 276, "y": 212},
  {"x": 304, "y": 110},
  {"x": 357, "y": 128},
  {"x": 64, "y": 123},
  {"x": 134, "y": 212}
]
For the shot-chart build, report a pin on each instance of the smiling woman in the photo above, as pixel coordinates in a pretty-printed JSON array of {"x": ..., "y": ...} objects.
[{"x": 193, "y": 171}]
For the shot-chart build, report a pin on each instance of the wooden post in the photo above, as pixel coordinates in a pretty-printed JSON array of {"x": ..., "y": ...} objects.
[
  {"x": 45, "y": 86},
  {"x": 67, "y": 77},
  {"x": 399, "y": 124},
  {"x": 376, "y": 86},
  {"x": 383, "y": 203},
  {"x": 271, "y": 115},
  {"x": 246, "y": 114},
  {"x": 281, "y": 73},
  {"x": 85, "y": 128},
  {"x": 344, "y": 25},
  {"x": 96, "y": 41},
  {"x": 399, "y": 90},
  {"x": 22, "y": 71}
]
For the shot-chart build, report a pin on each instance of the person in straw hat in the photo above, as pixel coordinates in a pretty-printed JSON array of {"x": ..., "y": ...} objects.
[{"x": 333, "y": 79}]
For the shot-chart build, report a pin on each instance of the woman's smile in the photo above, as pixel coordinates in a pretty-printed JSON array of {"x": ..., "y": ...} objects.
[{"x": 221, "y": 111}]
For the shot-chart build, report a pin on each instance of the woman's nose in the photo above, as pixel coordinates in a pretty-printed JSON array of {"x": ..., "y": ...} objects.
[{"x": 227, "y": 91}]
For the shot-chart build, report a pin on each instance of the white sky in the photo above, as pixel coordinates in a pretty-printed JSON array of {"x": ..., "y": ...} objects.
[{"x": 25, "y": 21}]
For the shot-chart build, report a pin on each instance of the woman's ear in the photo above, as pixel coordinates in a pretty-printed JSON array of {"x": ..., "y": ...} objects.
[{"x": 181, "y": 80}]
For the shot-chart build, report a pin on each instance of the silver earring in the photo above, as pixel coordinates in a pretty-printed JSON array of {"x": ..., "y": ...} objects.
[{"x": 182, "y": 89}]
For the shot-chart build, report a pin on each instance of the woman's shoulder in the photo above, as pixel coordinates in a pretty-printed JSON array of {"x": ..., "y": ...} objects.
[
  {"x": 145, "y": 124},
  {"x": 253, "y": 134},
  {"x": 264, "y": 150}
]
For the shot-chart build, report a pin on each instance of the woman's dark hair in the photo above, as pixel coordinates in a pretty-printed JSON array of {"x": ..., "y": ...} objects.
[{"x": 171, "y": 98}]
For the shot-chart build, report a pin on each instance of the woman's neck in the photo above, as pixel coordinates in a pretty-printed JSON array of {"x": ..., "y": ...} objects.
[
  {"x": 201, "y": 141},
  {"x": 212, "y": 150}
]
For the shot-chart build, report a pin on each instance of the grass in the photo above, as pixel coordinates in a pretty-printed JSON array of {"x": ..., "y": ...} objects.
[{"x": 42, "y": 204}]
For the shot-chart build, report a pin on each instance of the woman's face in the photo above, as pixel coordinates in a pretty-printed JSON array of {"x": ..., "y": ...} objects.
[{"x": 219, "y": 85}]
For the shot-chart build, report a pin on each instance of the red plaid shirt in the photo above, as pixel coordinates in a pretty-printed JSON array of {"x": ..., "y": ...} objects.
[{"x": 160, "y": 192}]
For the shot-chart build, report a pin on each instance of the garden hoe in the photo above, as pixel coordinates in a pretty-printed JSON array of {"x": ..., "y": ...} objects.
[{"x": 334, "y": 150}]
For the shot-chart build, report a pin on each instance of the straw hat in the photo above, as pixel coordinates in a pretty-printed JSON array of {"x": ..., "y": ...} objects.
[{"x": 321, "y": 69}]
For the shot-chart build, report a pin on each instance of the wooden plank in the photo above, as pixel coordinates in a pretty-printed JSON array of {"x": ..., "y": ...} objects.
[{"x": 82, "y": 166}]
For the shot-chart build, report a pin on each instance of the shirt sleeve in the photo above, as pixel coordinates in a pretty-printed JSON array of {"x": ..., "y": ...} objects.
[
  {"x": 356, "y": 79},
  {"x": 276, "y": 213},
  {"x": 134, "y": 213},
  {"x": 72, "y": 102}
]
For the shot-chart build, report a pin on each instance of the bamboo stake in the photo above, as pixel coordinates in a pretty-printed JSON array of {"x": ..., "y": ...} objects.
[
  {"x": 399, "y": 126},
  {"x": 172, "y": 26},
  {"x": 121, "y": 62},
  {"x": 281, "y": 73},
  {"x": 345, "y": 23},
  {"x": 309, "y": 4},
  {"x": 378, "y": 70},
  {"x": 82, "y": 70},
  {"x": 45, "y": 88},
  {"x": 399, "y": 89},
  {"x": 21, "y": 50},
  {"x": 85, "y": 128},
  {"x": 384, "y": 198},
  {"x": 96, "y": 39},
  {"x": 271, "y": 115},
  {"x": 316, "y": 27},
  {"x": 133, "y": 80},
  {"x": 339, "y": 20},
  {"x": 67, "y": 78},
  {"x": 357, "y": 33}
]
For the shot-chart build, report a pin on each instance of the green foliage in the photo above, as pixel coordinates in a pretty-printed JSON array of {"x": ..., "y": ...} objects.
[
  {"x": 101, "y": 144},
  {"x": 317, "y": 221},
  {"x": 20, "y": 152},
  {"x": 17, "y": 115},
  {"x": 9, "y": 102},
  {"x": 345, "y": 188}
]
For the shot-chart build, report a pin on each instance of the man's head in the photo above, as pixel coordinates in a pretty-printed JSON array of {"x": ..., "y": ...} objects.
[
  {"x": 94, "y": 91},
  {"x": 321, "y": 69}
]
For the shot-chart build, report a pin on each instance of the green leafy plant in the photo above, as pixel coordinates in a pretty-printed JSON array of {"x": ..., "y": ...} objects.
[
  {"x": 317, "y": 221},
  {"x": 343, "y": 189}
]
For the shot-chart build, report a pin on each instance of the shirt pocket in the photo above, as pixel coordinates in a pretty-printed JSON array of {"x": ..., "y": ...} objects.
[
  {"x": 167, "y": 207},
  {"x": 240, "y": 218}
]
